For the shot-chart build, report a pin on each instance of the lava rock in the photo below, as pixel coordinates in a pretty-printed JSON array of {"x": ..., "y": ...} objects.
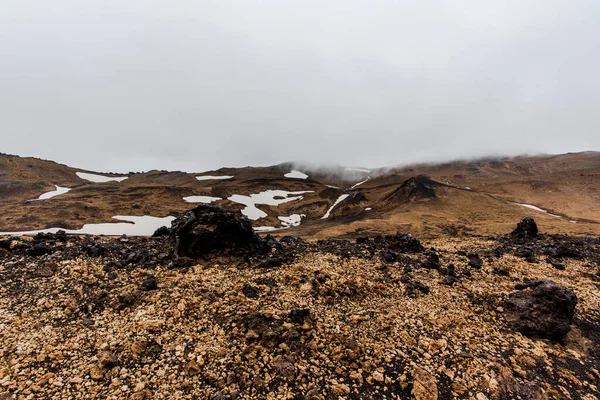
[
  {"x": 250, "y": 291},
  {"x": 271, "y": 261},
  {"x": 475, "y": 261},
  {"x": 161, "y": 232},
  {"x": 39, "y": 249},
  {"x": 402, "y": 242},
  {"x": 526, "y": 229},
  {"x": 207, "y": 230},
  {"x": 558, "y": 266},
  {"x": 298, "y": 316},
  {"x": 389, "y": 257},
  {"x": 413, "y": 287},
  {"x": 541, "y": 308},
  {"x": 149, "y": 283},
  {"x": 432, "y": 261}
]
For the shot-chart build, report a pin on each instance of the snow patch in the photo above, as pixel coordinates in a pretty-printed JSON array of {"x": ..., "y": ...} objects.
[
  {"x": 100, "y": 178},
  {"x": 292, "y": 220},
  {"x": 360, "y": 183},
  {"x": 201, "y": 199},
  {"x": 333, "y": 187},
  {"x": 368, "y": 209},
  {"x": 268, "y": 197},
  {"x": 264, "y": 228},
  {"x": 54, "y": 193},
  {"x": 358, "y": 169},
  {"x": 140, "y": 226},
  {"x": 339, "y": 200},
  {"x": 210, "y": 177},
  {"x": 538, "y": 209},
  {"x": 296, "y": 175}
]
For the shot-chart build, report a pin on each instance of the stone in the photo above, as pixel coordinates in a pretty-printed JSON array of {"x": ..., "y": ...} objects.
[
  {"x": 541, "y": 308},
  {"x": 424, "y": 384}
]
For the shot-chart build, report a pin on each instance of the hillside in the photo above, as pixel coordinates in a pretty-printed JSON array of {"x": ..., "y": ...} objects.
[{"x": 476, "y": 197}]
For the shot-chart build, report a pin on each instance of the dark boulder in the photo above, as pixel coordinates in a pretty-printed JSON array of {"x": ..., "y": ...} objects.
[
  {"x": 162, "y": 231},
  {"x": 149, "y": 283},
  {"x": 541, "y": 308},
  {"x": 298, "y": 316},
  {"x": 526, "y": 229},
  {"x": 475, "y": 261},
  {"x": 432, "y": 261},
  {"x": 402, "y": 242},
  {"x": 416, "y": 188},
  {"x": 207, "y": 230},
  {"x": 389, "y": 257}
]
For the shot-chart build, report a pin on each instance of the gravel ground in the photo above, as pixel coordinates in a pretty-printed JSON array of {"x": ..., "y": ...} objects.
[{"x": 322, "y": 326}]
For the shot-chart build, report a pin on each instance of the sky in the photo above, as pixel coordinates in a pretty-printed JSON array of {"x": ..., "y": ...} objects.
[{"x": 133, "y": 85}]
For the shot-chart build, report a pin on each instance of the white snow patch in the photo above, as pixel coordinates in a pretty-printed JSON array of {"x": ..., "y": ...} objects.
[
  {"x": 334, "y": 187},
  {"x": 268, "y": 197},
  {"x": 573, "y": 222},
  {"x": 292, "y": 220},
  {"x": 296, "y": 175},
  {"x": 358, "y": 169},
  {"x": 210, "y": 177},
  {"x": 54, "y": 193},
  {"x": 339, "y": 200},
  {"x": 368, "y": 209},
  {"x": 141, "y": 226},
  {"x": 264, "y": 228},
  {"x": 201, "y": 199},
  {"x": 538, "y": 209},
  {"x": 99, "y": 178},
  {"x": 360, "y": 183}
]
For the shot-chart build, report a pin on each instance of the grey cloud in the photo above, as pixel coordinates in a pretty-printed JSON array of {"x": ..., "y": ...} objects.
[{"x": 134, "y": 85}]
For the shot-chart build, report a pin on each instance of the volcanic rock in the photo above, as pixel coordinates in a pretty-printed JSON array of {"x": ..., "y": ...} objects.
[
  {"x": 162, "y": 231},
  {"x": 541, "y": 308},
  {"x": 403, "y": 243},
  {"x": 526, "y": 229},
  {"x": 416, "y": 188},
  {"x": 207, "y": 230}
]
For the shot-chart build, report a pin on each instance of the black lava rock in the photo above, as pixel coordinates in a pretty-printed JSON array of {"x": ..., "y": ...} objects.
[
  {"x": 475, "y": 261},
  {"x": 389, "y": 257},
  {"x": 162, "y": 231},
  {"x": 149, "y": 283},
  {"x": 541, "y": 308},
  {"x": 207, "y": 230},
  {"x": 526, "y": 229},
  {"x": 250, "y": 291},
  {"x": 298, "y": 316}
]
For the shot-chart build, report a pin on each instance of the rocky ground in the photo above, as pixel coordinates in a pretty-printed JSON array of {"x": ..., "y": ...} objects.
[{"x": 263, "y": 318}]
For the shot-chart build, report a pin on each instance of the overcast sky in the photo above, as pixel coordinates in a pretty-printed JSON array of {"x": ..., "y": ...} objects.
[{"x": 119, "y": 85}]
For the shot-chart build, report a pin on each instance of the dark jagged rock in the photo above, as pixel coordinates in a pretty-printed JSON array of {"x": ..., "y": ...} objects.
[
  {"x": 162, "y": 231},
  {"x": 389, "y": 257},
  {"x": 149, "y": 283},
  {"x": 432, "y": 261},
  {"x": 416, "y": 188},
  {"x": 207, "y": 230},
  {"x": 250, "y": 291},
  {"x": 402, "y": 243},
  {"x": 527, "y": 253},
  {"x": 475, "y": 261},
  {"x": 413, "y": 288},
  {"x": 541, "y": 308},
  {"x": 558, "y": 266},
  {"x": 298, "y": 316},
  {"x": 526, "y": 229}
]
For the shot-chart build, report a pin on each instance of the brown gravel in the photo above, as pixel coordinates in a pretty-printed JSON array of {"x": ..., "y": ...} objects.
[{"x": 69, "y": 331}]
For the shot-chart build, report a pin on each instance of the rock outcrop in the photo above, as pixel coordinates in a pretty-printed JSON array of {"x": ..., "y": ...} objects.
[
  {"x": 526, "y": 229},
  {"x": 207, "y": 230},
  {"x": 541, "y": 308}
]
